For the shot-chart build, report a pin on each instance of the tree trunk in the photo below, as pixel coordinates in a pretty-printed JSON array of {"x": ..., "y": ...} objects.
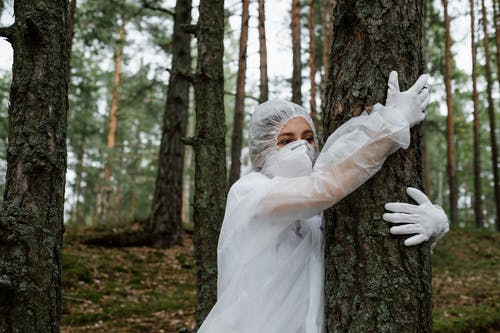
[
  {"x": 31, "y": 219},
  {"x": 373, "y": 282},
  {"x": 491, "y": 115},
  {"x": 113, "y": 121},
  {"x": 427, "y": 169},
  {"x": 71, "y": 24},
  {"x": 327, "y": 22},
  {"x": 165, "y": 222},
  {"x": 264, "y": 87},
  {"x": 312, "y": 63},
  {"x": 450, "y": 128},
  {"x": 209, "y": 148},
  {"x": 78, "y": 180},
  {"x": 239, "y": 101},
  {"x": 496, "y": 21},
  {"x": 297, "y": 64},
  {"x": 478, "y": 210}
]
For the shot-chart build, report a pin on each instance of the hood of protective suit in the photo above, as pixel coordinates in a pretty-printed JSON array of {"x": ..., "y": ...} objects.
[{"x": 265, "y": 126}]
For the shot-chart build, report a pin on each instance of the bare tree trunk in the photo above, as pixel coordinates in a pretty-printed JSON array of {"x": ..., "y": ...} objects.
[
  {"x": 264, "y": 86},
  {"x": 373, "y": 283},
  {"x": 496, "y": 21},
  {"x": 427, "y": 169},
  {"x": 113, "y": 121},
  {"x": 450, "y": 128},
  {"x": 327, "y": 24},
  {"x": 95, "y": 213},
  {"x": 78, "y": 180},
  {"x": 297, "y": 63},
  {"x": 209, "y": 148},
  {"x": 478, "y": 210},
  {"x": 71, "y": 24},
  {"x": 312, "y": 62},
  {"x": 491, "y": 115},
  {"x": 31, "y": 219},
  {"x": 165, "y": 222},
  {"x": 239, "y": 107}
]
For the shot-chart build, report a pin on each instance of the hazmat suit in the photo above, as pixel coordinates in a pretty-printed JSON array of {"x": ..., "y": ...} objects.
[{"x": 270, "y": 250}]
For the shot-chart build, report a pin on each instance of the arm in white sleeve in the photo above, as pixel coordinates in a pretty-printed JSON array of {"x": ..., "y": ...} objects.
[{"x": 351, "y": 155}]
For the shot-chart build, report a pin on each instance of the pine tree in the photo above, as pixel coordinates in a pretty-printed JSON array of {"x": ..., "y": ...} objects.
[
  {"x": 297, "y": 63},
  {"x": 373, "y": 283},
  {"x": 264, "y": 86},
  {"x": 31, "y": 219}
]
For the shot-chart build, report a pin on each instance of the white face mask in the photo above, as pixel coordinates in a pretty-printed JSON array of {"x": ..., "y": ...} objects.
[{"x": 293, "y": 160}]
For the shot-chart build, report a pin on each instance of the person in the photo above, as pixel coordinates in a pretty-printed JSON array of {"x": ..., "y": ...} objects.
[{"x": 270, "y": 253}]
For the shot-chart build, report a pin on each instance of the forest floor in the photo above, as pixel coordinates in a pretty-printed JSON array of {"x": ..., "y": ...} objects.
[{"x": 140, "y": 289}]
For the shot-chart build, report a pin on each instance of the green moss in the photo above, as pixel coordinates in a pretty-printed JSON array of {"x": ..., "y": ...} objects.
[
  {"x": 83, "y": 318},
  {"x": 480, "y": 317},
  {"x": 74, "y": 270},
  {"x": 91, "y": 295}
]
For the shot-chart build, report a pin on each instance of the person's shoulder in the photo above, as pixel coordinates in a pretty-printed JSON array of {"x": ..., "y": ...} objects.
[{"x": 248, "y": 183}]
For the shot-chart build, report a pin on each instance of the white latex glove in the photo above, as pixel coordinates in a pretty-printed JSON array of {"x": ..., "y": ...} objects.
[
  {"x": 407, "y": 106},
  {"x": 427, "y": 221}
]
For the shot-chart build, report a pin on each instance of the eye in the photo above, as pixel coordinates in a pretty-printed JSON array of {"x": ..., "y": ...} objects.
[
  {"x": 284, "y": 142},
  {"x": 310, "y": 139}
]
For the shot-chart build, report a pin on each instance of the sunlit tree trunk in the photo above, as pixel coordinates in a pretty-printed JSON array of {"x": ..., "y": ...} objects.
[
  {"x": 312, "y": 62},
  {"x": 239, "y": 101},
  {"x": 209, "y": 148},
  {"x": 450, "y": 128},
  {"x": 491, "y": 116},
  {"x": 31, "y": 218},
  {"x": 478, "y": 210},
  {"x": 113, "y": 121},
  {"x": 264, "y": 86},
  {"x": 165, "y": 221},
  {"x": 373, "y": 283},
  {"x": 297, "y": 64}
]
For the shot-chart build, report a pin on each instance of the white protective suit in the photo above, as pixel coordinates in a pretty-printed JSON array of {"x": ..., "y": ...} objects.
[{"x": 270, "y": 257}]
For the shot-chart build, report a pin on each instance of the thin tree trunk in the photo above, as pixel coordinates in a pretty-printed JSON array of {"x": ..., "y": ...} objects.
[
  {"x": 71, "y": 24},
  {"x": 31, "y": 219},
  {"x": 165, "y": 222},
  {"x": 113, "y": 121},
  {"x": 327, "y": 24},
  {"x": 496, "y": 21},
  {"x": 95, "y": 213},
  {"x": 78, "y": 180},
  {"x": 264, "y": 86},
  {"x": 117, "y": 195},
  {"x": 297, "y": 63},
  {"x": 450, "y": 128},
  {"x": 478, "y": 210},
  {"x": 373, "y": 283},
  {"x": 312, "y": 62},
  {"x": 209, "y": 147},
  {"x": 239, "y": 101},
  {"x": 491, "y": 115},
  {"x": 133, "y": 176},
  {"x": 427, "y": 169}
]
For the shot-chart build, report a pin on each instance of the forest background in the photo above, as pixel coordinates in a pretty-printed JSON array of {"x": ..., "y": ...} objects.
[{"x": 120, "y": 68}]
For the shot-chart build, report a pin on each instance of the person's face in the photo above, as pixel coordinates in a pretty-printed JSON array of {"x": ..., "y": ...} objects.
[{"x": 296, "y": 129}]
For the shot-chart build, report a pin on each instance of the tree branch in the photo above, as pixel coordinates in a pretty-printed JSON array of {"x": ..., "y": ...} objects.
[
  {"x": 148, "y": 5},
  {"x": 8, "y": 33},
  {"x": 246, "y": 96},
  {"x": 191, "y": 77}
]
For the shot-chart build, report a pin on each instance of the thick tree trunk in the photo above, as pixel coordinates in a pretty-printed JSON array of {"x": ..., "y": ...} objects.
[
  {"x": 450, "y": 128},
  {"x": 373, "y": 282},
  {"x": 209, "y": 148},
  {"x": 312, "y": 63},
  {"x": 31, "y": 219},
  {"x": 165, "y": 222},
  {"x": 264, "y": 86},
  {"x": 239, "y": 107},
  {"x": 113, "y": 121},
  {"x": 297, "y": 63},
  {"x": 478, "y": 210},
  {"x": 491, "y": 116}
]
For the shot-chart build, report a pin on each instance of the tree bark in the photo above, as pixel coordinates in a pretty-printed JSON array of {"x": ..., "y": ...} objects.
[
  {"x": 450, "y": 128},
  {"x": 113, "y": 121},
  {"x": 496, "y": 21},
  {"x": 491, "y": 116},
  {"x": 209, "y": 148},
  {"x": 78, "y": 179},
  {"x": 478, "y": 210},
  {"x": 327, "y": 23},
  {"x": 239, "y": 107},
  {"x": 312, "y": 63},
  {"x": 31, "y": 219},
  {"x": 165, "y": 222},
  {"x": 264, "y": 86},
  {"x": 297, "y": 63},
  {"x": 373, "y": 282}
]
